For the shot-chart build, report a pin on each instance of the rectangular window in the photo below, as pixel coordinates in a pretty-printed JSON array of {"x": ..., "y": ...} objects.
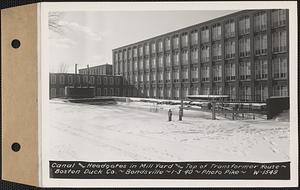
[
  {"x": 245, "y": 93},
  {"x": 147, "y": 63},
  {"x": 185, "y": 92},
  {"x": 217, "y": 51},
  {"x": 194, "y": 74},
  {"x": 85, "y": 79},
  {"x": 169, "y": 92},
  {"x": 176, "y": 76},
  {"x": 176, "y": 58},
  {"x": 230, "y": 71},
  {"x": 116, "y": 57},
  {"x": 278, "y": 18},
  {"x": 92, "y": 80},
  {"x": 244, "y": 25},
  {"x": 279, "y": 41},
  {"x": 70, "y": 79},
  {"x": 217, "y": 90},
  {"x": 184, "y": 75},
  {"x": 160, "y": 46},
  {"x": 185, "y": 57},
  {"x": 176, "y": 42},
  {"x": 261, "y": 69},
  {"x": 147, "y": 77},
  {"x": 205, "y": 54},
  {"x": 206, "y": 90},
  {"x": 135, "y": 63},
  {"x": 53, "y": 79},
  {"x": 154, "y": 92},
  {"x": 125, "y": 57},
  {"x": 160, "y": 77},
  {"x": 216, "y": 32},
  {"x": 168, "y": 76},
  {"x": 153, "y": 62},
  {"x": 135, "y": 52},
  {"x": 176, "y": 93},
  {"x": 260, "y": 22},
  {"x": 141, "y": 65},
  {"x": 244, "y": 47},
  {"x": 98, "y": 92},
  {"x": 61, "y": 79},
  {"x": 229, "y": 29},
  {"x": 117, "y": 92},
  {"x": 195, "y": 90},
  {"x": 205, "y": 73},
  {"x": 111, "y": 81},
  {"x": 153, "y": 48},
  {"x": 245, "y": 70},
  {"x": 229, "y": 49},
  {"x": 217, "y": 72},
  {"x": 279, "y": 68},
  {"x": 168, "y": 44},
  {"x": 194, "y": 37},
  {"x": 205, "y": 35},
  {"x": 141, "y": 50},
  {"x": 231, "y": 92},
  {"x": 141, "y": 77},
  {"x": 53, "y": 92},
  {"x": 160, "y": 92},
  {"x": 280, "y": 90},
  {"x": 160, "y": 61},
  {"x": 184, "y": 39},
  {"x": 168, "y": 60},
  {"x": 195, "y": 55},
  {"x": 117, "y": 81},
  {"x": 260, "y": 44},
  {"x": 153, "y": 77},
  {"x": 261, "y": 93},
  {"x": 147, "y": 49},
  {"x": 135, "y": 78}
]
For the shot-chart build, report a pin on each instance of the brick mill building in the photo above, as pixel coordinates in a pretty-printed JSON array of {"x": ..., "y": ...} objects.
[
  {"x": 244, "y": 55},
  {"x": 99, "y": 78}
]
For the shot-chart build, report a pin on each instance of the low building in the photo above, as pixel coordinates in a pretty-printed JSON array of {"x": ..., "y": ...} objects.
[
  {"x": 105, "y": 69},
  {"x": 104, "y": 85}
]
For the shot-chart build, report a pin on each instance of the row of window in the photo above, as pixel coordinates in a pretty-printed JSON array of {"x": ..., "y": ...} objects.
[
  {"x": 279, "y": 44},
  {"x": 279, "y": 71},
  {"x": 261, "y": 92},
  {"x": 60, "y": 92},
  {"x": 85, "y": 80},
  {"x": 96, "y": 71},
  {"x": 260, "y": 24}
]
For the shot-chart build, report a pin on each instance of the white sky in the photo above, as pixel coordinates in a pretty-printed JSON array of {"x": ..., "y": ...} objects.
[{"x": 89, "y": 37}]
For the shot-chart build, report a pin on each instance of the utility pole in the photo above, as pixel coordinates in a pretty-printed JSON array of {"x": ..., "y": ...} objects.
[
  {"x": 88, "y": 71},
  {"x": 75, "y": 79}
]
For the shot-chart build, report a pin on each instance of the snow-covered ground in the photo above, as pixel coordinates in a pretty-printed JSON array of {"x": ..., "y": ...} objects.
[{"x": 139, "y": 131}]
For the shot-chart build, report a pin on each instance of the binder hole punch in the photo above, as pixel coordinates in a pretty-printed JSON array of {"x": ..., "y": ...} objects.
[
  {"x": 16, "y": 43},
  {"x": 16, "y": 147}
]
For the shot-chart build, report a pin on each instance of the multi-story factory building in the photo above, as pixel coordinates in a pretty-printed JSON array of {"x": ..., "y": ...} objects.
[{"x": 244, "y": 55}]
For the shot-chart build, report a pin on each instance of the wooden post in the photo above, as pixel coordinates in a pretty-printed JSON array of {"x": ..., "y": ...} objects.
[{"x": 213, "y": 117}]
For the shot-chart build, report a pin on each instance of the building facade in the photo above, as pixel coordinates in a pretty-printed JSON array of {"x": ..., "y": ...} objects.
[
  {"x": 104, "y": 85},
  {"x": 244, "y": 55},
  {"x": 105, "y": 69}
]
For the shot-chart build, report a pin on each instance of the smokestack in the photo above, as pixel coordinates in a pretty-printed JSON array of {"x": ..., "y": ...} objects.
[{"x": 75, "y": 69}]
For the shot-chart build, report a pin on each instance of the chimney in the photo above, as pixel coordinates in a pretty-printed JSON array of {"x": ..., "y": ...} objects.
[{"x": 75, "y": 69}]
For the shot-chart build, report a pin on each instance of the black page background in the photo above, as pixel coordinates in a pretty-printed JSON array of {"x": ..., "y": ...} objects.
[{"x": 4, "y": 185}]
